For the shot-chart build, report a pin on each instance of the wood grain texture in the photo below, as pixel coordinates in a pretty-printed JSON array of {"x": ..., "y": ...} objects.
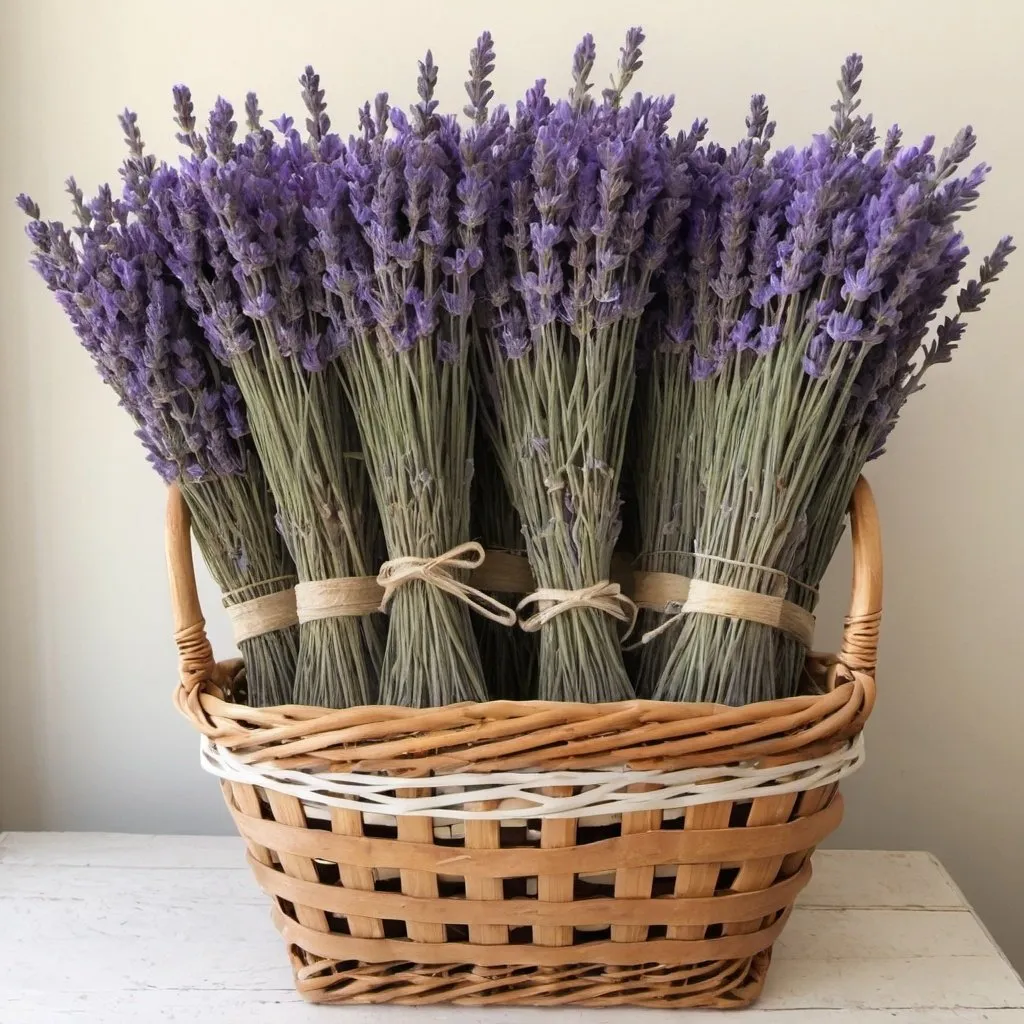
[
  {"x": 417, "y": 882},
  {"x": 485, "y": 835},
  {"x": 554, "y": 887},
  {"x": 350, "y": 823},
  {"x": 635, "y": 883}
]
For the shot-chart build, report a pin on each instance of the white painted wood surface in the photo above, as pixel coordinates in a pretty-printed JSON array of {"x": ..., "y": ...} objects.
[{"x": 112, "y": 929}]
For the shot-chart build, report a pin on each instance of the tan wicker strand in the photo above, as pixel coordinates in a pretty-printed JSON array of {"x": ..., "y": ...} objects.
[
  {"x": 350, "y": 823},
  {"x": 701, "y": 846},
  {"x": 346, "y": 947},
  {"x": 810, "y": 802},
  {"x": 416, "y": 881},
  {"x": 485, "y": 835},
  {"x": 484, "y": 913},
  {"x": 688, "y": 740},
  {"x": 555, "y": 833},
  {"x": 289, "y": 811},
  {"x": 244, "y": 798},
  {"x": 725, "y": 984},
  {"x": 634, "y": 884},
  {"x": 698, "y": 880},
  {"x": 758, "y": 873}
]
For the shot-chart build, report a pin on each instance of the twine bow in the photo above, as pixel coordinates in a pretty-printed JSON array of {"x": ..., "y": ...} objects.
[
  {"x": 437, "y": 572},
  {"x": 604, "y": 597}
]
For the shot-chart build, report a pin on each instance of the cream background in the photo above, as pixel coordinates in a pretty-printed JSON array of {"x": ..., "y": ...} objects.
[{"x": 88, "y": 737}]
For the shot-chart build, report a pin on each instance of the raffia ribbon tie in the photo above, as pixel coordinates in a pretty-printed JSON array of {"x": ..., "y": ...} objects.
[
  {"x": 339, "y": 597},
  {"x": 261, "y": 615},
  {"x": 604, "y": 597},
  {"x": 729, "y": 602},
  {"x": 437, "y": 572}
]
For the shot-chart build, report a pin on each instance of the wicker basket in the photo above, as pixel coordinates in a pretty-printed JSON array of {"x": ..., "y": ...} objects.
[{"x": 535, "y": 853}]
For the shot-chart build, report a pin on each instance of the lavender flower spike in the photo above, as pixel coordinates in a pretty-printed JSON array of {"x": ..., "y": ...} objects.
[
  {"x": 582, "y": 64},
  {"x": 478, "y": 88},
  {"x": 630, "y": 63}
]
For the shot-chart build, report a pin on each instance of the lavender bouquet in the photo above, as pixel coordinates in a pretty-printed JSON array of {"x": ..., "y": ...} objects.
[
  {"x": 110, "y": 277},
  {"x": 587, "y": 196},
  {"x": 788, "y": 347},
  {"x": 233, "y": 216},
  {"x": 399, "y": 232}
]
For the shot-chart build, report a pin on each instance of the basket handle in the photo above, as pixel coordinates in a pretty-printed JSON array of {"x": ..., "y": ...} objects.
[
  {"x": 859, "y": 650},
  {"x": 196, "y": 663},
  {"x": 860, "y": 632}
]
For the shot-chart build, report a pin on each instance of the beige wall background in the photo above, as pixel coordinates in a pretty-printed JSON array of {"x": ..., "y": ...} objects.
[{"x": 88, "y": 737}]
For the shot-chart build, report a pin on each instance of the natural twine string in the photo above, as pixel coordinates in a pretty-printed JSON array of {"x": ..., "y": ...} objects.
[
  {"x": 504, "y": 571},
  {"x": 262, "y": 614},
  {"x": 681, "y": 596},
  {"x": 437, "y": 572},
  {"x": 784, "y": 577},
  {"x": 335, "y": 598},
  {"x": 604, "y": 597}
]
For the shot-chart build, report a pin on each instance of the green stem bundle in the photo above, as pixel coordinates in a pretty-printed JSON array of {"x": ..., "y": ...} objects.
[
  {"x": 415, "y": 418},
  {"x": 303, "y": 429},
  {"x": 233, "y": 523}
]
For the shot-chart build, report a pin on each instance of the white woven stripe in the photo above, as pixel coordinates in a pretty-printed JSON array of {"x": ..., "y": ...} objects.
[{"x": 517, "y": 793}]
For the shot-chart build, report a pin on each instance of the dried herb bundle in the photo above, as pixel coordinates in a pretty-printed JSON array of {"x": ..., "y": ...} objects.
[
  {"x": 234, "y": 219},
  {"x": 110, "y": 278},
  {"x": 400, "y": 236},
  {"x": 585, "y": 202},
  {"x": 785, "y": 351}
]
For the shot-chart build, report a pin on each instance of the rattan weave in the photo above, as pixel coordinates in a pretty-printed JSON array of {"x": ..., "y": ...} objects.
[{"x": 648, "y": 907}]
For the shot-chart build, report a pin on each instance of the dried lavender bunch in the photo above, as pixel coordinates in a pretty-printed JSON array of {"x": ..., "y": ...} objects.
[
  {"x": 810, "y": 280},
  {"x": 109, "y": 276},
  {"x": 509, "y": 656},
  {"x": 579, "y": 222},
  {"x": 399, "y": 234},
  {"x": 233, "y": 216}
]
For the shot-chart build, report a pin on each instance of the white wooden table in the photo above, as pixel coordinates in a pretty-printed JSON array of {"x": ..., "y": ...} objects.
[{"x": 112, "y": 929}]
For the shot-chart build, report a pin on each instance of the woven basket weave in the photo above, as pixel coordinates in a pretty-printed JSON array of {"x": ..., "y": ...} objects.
[{"x": 674, "y": 904}]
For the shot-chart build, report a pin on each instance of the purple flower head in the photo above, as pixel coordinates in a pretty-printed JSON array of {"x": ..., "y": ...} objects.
[
  {"x": 815, "y": 361},
  {"x": 702, "y": 367},
  {"x": 318, "y": 124},
  {"x": 514, "y": 337},
  {"x": 859, "y": 285},
  {"x": 132, "y": 316},
  {"x": 767, "y": 339},
  {"x": 252, "y": 112},
  {"x": 28, "y": 206},
  {"x": 841, "y": 327},
  {"x": 742, "y": 336},
  {"x": 630, "y": 62},
  {"x": 582, "y": 64},
  {"x": 220, "y": 136},
  {"x": 851, "y": 132},
  {"x": 478, "y": 88},
  {"x": 424, "y": 116},
  {"x": 184, "y": 118},
  {"x": 284, "y": 124}
]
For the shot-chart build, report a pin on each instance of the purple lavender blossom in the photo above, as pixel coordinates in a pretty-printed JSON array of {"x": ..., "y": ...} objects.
[{"x": 130, "y": 314}]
